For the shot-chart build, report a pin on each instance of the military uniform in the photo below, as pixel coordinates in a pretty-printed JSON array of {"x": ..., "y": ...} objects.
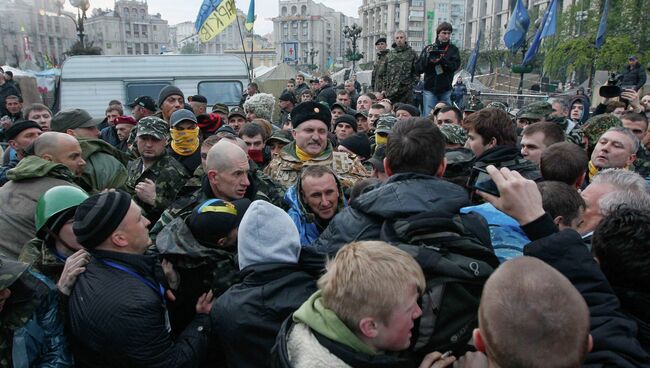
[
  {"x": 401, "y": 74},
  {"x": 285, "y": 169},
  {"x": 378, "y": 77},
  {"x": 642, "y": 163}
]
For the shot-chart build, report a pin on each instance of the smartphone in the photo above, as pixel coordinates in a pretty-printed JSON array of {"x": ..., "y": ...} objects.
[{"x": 479, "y": 179}]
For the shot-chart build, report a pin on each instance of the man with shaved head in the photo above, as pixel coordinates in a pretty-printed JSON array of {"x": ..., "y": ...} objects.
[
  {"x": 227, "y": 169},
  {"x": 56, "y": 161},
  {"x": 532, "y": 316}
]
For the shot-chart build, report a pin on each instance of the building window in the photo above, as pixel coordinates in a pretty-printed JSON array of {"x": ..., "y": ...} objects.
[
  {"x": 109, "y": 45},
  {"x": 57, "y": 25},
  {"x": 126, "y": 12},
  {"x": 303, "y": 10},
  {"x": 145, "y": 49},
  {"x": 137, "y": 49},
  {"x": 155, "y": 28},
  {"x": 294, "y": 10},
  {"x": 136, "y": 30},
  {"x": 417, "y": 2},
  {"x": 284, "y": 11}
]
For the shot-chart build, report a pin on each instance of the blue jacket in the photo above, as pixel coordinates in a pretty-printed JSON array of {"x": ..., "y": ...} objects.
[
  {"x": 303, "y": 218},
  {"x": 40, "y": 342}
]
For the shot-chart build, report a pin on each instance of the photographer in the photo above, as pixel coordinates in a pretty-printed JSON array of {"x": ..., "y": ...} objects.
[{"x": 438, "y": 62}]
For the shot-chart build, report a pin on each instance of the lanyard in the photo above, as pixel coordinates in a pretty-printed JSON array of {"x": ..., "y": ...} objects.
[{"x": 160, "y": 289}]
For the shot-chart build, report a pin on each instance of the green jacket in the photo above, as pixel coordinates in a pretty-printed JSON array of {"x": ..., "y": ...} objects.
[
  {"x": 378, "y": 76},
  {"x": 401, "y": 74},
  {"x": 105, "y": 166}
]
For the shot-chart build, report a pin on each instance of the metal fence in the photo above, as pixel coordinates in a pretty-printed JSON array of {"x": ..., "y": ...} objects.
[{"x": 512, "y": 100}]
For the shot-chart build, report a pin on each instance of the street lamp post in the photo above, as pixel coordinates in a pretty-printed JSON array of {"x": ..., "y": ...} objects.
[
  {"x": 82, "y": 7},
  {"x": 312, "y": 53},
  {"x": 353, "y": 33}
]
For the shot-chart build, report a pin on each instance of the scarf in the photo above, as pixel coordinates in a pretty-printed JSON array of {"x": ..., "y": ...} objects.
[
  {"x": 302, "y": 155},
  {"x": 185, "y": 142},
  {"x": 379, "y": 140}
]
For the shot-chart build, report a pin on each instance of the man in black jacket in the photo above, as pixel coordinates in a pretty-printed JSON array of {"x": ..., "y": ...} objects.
[
  {"x": 634, "y": 76},
  {"x": 326, "y": 93},
  {"x": 438, "y": 61},
  {"x": 117, "y": 309}
]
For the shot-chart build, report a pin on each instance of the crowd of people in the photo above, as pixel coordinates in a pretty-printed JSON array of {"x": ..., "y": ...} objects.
[{"x": 348, "y": 229}]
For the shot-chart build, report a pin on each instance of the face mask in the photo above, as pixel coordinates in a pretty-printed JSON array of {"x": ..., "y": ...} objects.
[
  {"x": 185, "y": 142},
  {"x": 380, "y": 139},
  {"x": 256, "y": 155}
]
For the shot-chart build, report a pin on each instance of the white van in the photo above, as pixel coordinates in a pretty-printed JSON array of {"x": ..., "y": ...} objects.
[{"x": 90, "y": 82}]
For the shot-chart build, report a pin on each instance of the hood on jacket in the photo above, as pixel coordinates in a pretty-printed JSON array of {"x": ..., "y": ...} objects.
[
  {"x": 408, "y": 194},
  {"x": 585, "y": 103},
  {"x": 267, "y": 235},
  {"x": 293, "y": 197},
  {"x": 35, "y": 167},
  {"x": 89, "y": 146}
]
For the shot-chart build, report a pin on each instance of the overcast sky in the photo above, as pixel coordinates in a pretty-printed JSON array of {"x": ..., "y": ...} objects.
[{"x": 177, "y": 11}]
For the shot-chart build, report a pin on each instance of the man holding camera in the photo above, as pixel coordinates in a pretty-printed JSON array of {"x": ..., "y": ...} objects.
[{"x": 438, "y": 62}]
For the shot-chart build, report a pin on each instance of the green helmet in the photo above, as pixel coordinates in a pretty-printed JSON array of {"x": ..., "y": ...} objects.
[{"x": 54, "y": 202}]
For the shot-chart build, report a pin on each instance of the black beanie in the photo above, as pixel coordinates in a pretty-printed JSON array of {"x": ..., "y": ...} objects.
[
  {"x": 311, "y": 110},
  {"x": 347, "y": 118},
  {"x": 169, "y": 91},
  {"x": 98, "y": 216},
  {"x": 19, "y": 127},
  {"x": 358, "y": 144},
  {"x": 414, "y": 111}
]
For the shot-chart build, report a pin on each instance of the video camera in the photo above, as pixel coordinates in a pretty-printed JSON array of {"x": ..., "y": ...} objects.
[
  {"x": 611, "y": 88},
  {"x": 434, "y": 53}
]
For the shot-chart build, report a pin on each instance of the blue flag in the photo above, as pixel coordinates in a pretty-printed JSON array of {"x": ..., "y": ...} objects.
[
  {"x": 207, "y": 7},
  {"x": 517, "y": 27},
  {"x": 602, "y": 28},
  {"x": 250, "y": 17},
  {"x": 473, "y": 57},
  {"x": 547, "y": 28}
]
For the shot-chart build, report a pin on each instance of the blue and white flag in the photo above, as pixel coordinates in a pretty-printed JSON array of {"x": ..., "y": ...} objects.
[{"x": 517, "y": 27}]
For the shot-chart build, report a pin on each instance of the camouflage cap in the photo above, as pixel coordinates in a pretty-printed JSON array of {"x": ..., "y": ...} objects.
[
  {"x": 535, "y": 111},
  {"x": 385, "y": 123},
  {"x": 220, "y": 108},
  {"x": 280, "y": 136},
  {"x": 498, "y": 105},
  {"x": 10, "y": 271},
  {"x": 597, "y": 125},
  {"x": 153, "y": 126},
  {"x": 377, "y": 159},
  {"x": 474, "y": 105},
  {"x": 454, "y": 134}
]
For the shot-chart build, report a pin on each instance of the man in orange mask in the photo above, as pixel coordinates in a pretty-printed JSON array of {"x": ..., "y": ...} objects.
[{"x": 185, "y": 143}]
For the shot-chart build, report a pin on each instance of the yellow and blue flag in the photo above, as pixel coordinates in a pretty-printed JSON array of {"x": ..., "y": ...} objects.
[
  {"x": 214, "y": 16},
  {"x": 250, "y": 17}
]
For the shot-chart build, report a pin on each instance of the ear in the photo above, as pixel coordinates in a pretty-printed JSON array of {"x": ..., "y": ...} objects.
[
  {"x": 71, "y": 132},
  {"x": 581, "y": 180},
  {"x": 47, "y": 157},
  {"x": 558, "y": 220},
  {"x": 590, "y": 344},
  {"x": 441, "y": 169},
  {"x": 631, "y": 159},
  {"x": 368, "y": 327},
  {"x": 478, "y": 340},
  {"x": 118, "y": 239},
  {"x": 12, "y": 144},
  {"x": 493, "y": 143},
  {"x": 387, "y": 168},
  {"x": 293, "y": 133},
  {"x": 212, "y": 174},
  {"x": 221, "y": 242}
]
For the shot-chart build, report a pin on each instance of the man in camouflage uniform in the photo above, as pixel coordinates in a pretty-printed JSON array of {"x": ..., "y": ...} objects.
[
  {"x": 459, "y": 159},
  {"x": 543, "y": 111},
  {"x": 383, "y": 128},
  {"x": 155, "y": 177},
  {"x": 203, "y": 251},
  {"x": 401, "y": 71},
  {"x": 638, "y": 124},
  {"x": 378, "y": 76},
  {"x": 311, "y": 122}
]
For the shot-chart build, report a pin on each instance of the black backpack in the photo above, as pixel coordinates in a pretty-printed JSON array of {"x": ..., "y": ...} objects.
[{"x": 456, "y": 263}]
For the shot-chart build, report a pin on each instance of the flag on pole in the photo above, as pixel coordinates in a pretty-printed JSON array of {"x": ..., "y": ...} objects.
[
  {"x": 602, "y": 27},
  {"x": 517, "y": 27},
  {"x": 549, "y": 23},
  {"x": 471, "y": 63},
  {"x": 214, "y": 16},
  {"x": 250, "y": 17}
]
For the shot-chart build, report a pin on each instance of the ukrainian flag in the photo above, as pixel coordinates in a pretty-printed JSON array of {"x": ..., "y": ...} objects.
[
  {"x": 250, "y": 18},
  {"x": 214, "y": 16}
]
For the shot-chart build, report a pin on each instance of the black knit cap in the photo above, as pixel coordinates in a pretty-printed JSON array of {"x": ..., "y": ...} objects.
[
  {"x": 98, "y": 216},
  {"x": 311, "y": 110},
  {"x": 381, "y": 39},
  {"x": 19, "y": 127},
  {"x": 414, "y": 111},
  {"x": 347, "y": 118},
  {"x": 358, "y": 144},
  {"x": 169, "y": 91}
]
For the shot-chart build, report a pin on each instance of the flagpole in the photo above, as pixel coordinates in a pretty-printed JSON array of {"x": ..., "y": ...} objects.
[{"x": 243, "y": 47}]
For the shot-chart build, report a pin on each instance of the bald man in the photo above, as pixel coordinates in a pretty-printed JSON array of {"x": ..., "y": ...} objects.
[
  {"x": 532, "y": 316},
  {"x": 56, "y": 161},
  {"x": 227, "y": 169}
]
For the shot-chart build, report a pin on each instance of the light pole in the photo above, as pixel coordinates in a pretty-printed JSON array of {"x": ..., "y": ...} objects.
[
  {"x": 82, "y": 7},
  {"x": 353, "y": 33},
  {"x": 312, "y": 53}
]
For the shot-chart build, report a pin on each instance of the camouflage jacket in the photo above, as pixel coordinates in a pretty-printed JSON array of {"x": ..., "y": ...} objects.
[
  {"x": 285, "y": 169},
  {"x": 105, "y": 166},
  {"x": 378, "y": 76},
  {"x": 572, "y": 131},
  {"x": 401, "y": 74},
  {"x": 42, "y": 259},
  {"x": 218, "y": 268},
  {"x": 168, "y": 175},
  {"x": 642, "y": 163}
]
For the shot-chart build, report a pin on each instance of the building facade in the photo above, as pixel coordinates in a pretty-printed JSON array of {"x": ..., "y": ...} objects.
[
  {"x": 304, "y": 27},
  {"x": 35, "y": 33},
  {"x": 491, "y": 17},
  {"x": 128, "y": 29}
]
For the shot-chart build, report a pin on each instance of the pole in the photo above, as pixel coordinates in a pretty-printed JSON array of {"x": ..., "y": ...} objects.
[{"x": 243, "y": 47}]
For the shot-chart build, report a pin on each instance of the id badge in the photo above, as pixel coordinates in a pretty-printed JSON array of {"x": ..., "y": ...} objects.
[
  {"x": 168, "y": 325},
  {"x": 438, "y": 69}
]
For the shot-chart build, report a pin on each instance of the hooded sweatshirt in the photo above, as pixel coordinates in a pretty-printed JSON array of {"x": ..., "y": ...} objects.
[{"x": 267, "y": 234}]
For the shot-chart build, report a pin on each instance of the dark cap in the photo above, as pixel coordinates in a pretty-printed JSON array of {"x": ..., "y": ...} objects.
[
  {"x": 358, "y": 144},
  {"x": 169, "y": 91},
  {"x": 288, "y": 96},
  {"x": 414, "y": 111},
  {"x": 144, "y": 101},
  {"x": 338, "y": 105},
  {"x": 10, "y": 271},
  {"x": 98, "y": 216},
  {"x": 181, "y": 115},
  {"x": 377, "y": 159},
  {"x": 363, "y": 113},
  {"x": 633, "y": 58},
  {"x": 311, "y": 110},
  {"x": 280, "y": 136},
  {"x": 237, "y": 111},
  {"x": 214, "y": 219},
  {"x": 19, "y": 127},
  {"x": 381, "y": 39},
  {"x": 220, "y": 108},
  {"x": 197, "y": 98},
  {"x": 72, "y": 119},
  {"x": 347, "y": 118}
]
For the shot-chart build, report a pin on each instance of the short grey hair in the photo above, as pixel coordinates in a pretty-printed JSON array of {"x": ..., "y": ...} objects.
[
  {"x": 631, "y": 190},
  {"x": 622, "y": 180},
  {"x": 629, "y": 134},
  {"x": 561, "y": 101},
  {"x": 624, "y": 198}
]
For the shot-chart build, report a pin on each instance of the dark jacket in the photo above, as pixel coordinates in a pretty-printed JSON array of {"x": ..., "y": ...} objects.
[
  {"x": 402, "y": 195},
  {"x": 190, "y": 162},
  {"x": 509, "y": 156},
  {"x": 118, "y": 320},
  {"x": 327, "y": 94},
  {"x": 449, "y": 61},
  {"x": 109, "y": 135},
  {"x": 634, "y": 75},
  {"x": 586, "y": 105},
  {"x": 614, "y": 334},
  {"x": 268, "y": 294},
  {"x": 6, "y": 89}
]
